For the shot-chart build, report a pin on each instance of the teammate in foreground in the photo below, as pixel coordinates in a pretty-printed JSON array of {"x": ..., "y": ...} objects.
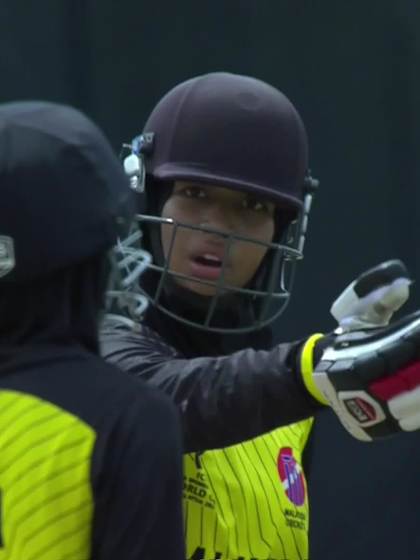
[
  {"x": 90, "y": 462},
  {"x": 224, "y": 196}
]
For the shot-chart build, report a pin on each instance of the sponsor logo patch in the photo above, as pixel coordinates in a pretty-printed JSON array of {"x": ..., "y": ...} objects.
[
  {"x": 291, "y": 476},
  {"x": 360, "y": 409}
]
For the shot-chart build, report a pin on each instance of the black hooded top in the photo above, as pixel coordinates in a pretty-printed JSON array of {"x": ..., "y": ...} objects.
[{"x": 91, "y": 458}]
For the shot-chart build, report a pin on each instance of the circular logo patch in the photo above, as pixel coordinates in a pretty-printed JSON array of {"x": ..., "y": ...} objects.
[{"x": 291, "y": 476}]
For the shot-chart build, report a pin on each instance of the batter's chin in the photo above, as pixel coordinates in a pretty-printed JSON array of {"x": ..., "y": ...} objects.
[{"x": 198, "y": 288}]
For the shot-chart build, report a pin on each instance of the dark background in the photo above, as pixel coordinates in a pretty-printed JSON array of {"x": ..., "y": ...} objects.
[{"x": 353, "y": 71}]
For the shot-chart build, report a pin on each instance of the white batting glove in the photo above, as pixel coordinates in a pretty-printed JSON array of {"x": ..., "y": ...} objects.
[
  {"x": 369, "y": 372},
  {"x": 371, "y": 300},
  {"x": 371, "y": 379}
]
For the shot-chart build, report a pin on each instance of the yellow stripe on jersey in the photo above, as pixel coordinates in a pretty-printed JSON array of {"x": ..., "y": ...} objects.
[
  {"x": 46, "y": 497},
  {"x": 249, "y": 500}
]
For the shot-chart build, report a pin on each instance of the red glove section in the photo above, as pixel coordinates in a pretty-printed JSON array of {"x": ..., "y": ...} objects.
[{"x": 403, "y": 381}]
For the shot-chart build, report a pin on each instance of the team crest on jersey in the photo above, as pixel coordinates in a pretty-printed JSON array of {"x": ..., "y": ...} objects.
[
  {"x": 291, "y": 476},
  {"x": 7, "y": 255}
]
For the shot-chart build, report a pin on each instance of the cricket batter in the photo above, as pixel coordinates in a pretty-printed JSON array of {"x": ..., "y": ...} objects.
[{"x": 224, "y": 194}]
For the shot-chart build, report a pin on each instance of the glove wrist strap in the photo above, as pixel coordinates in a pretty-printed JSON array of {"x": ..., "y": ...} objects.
[{"x": 307, "y": 368}]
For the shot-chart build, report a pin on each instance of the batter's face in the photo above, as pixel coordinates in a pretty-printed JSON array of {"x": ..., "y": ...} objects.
[{"x": 199, "y": 254}]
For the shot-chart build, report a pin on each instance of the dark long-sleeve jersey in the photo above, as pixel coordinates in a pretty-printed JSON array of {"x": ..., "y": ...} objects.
[
  {"x": 244, "y": 489},
  {"x": 90, "y": 463},
  {"x": 223, "y": 400}
]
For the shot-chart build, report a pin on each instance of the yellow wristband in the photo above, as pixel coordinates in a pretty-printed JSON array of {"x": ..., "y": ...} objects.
[{"x": 307, "y": 368}]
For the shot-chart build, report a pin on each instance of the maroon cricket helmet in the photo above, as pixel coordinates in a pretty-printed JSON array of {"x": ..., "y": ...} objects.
[{"x": 229, "y": 130}]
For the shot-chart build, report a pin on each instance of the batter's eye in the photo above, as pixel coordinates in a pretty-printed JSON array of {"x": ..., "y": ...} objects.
[
  {"x": 254, "y": 204},
  {"x": 193, "y": 191}
]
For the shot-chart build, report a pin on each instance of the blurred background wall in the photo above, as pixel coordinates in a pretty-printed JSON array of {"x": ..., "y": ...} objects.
[{"x": 353, "y": 71}]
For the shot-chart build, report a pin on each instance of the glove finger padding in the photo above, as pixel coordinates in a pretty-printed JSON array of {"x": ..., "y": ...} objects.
[
  {"x": 372, "y": 379},
  {"x": 371, "y": 300}
]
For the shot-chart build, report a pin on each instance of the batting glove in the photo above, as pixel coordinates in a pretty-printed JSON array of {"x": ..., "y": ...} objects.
[{"x": 368, "y": 372}]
